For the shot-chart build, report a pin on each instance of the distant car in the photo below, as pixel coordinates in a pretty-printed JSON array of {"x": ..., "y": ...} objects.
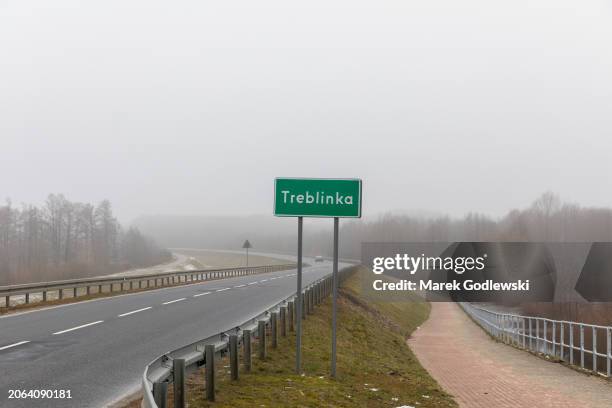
[{"x": 319, "y": 258}]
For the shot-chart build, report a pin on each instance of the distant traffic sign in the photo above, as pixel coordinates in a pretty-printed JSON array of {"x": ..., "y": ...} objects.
[{"x": 301, "y": 197}]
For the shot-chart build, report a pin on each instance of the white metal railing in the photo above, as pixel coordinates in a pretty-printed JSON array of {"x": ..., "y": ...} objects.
[{"x": 584, "y": 345}]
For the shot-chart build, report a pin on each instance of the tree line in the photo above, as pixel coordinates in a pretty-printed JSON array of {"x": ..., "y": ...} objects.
[{"x": 64, "y": 239}]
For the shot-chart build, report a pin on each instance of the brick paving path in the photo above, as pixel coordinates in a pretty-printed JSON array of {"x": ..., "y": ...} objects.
[{"x": 482, "y": 373}]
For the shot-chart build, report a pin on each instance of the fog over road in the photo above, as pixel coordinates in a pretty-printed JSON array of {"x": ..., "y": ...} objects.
[{"x": 98, "y": 349}]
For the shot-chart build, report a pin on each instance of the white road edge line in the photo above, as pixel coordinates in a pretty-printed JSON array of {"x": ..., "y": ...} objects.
[
  {"x": 79, "y": 327},
  {"x": 201, "y": 294},
  {"x": 221, "y": 290},
  {"x": 135, "y": 311},
  {"x": 14, "y": 345},
  {"x": 173, "y": 301}
]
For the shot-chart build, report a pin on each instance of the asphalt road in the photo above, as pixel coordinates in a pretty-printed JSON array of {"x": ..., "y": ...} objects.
[{"x": 98, "y": 349}]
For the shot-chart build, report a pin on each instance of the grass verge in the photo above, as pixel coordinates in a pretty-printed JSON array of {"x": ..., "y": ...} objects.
[{"x": 375, "y": 366}]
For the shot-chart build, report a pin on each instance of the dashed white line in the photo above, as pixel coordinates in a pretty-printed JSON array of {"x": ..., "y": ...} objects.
[
  {"x": 240, "y": 286},
  {"x": 201, "y": 294},
  {"x": 135, "y": 311},
  {"x": 173, "y": 301},
  {"x": 14, "y": 345},
  {"x": 79, "y": 327},
  {"x": 252, "y": 283},
  {"x": 221, "y": 290},
  {"x": 263, "y": 280}
]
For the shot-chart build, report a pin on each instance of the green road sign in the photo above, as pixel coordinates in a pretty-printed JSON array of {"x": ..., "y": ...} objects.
[{"x": 301, "y": 197}]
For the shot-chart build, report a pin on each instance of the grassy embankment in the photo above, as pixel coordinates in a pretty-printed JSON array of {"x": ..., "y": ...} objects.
[{"x": 375, "y": 366}]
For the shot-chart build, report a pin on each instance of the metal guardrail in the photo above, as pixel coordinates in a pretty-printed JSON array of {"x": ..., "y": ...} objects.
[
  {"x": 583, "y": 345},
  {"x": 131, "y": 282},
  {"x": 174, "y": 366}
]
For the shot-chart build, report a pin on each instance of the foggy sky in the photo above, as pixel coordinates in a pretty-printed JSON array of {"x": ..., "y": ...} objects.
[{"x": 193, "y": 107}]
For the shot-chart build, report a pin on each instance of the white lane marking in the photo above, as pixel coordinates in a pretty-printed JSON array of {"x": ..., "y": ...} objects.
[
  {"x": 240, "y": 286},
  {"x": 273, "y": 278},
  {"x": 14, "y": 345},
  {"x": 263, "y": 280},
  {"x": 252, "y": 283},
  {"x": 173, "y": 301},
  {"x": 221, "y": 290},
  {"x": 79, "y": 327},
  {"x": 135, "y": 311},
  {"x": 201, "y": 294}
]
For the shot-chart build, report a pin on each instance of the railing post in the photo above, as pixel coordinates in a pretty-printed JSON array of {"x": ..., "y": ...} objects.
[
  {"x": 545, "y": 337},
  {"x": 262, "y": 339},
  {"x": 88, "y": 290},
  {"x": 274, "y": 329},
  {"x": 246, "y": 350},
  {"x": 160, "y": 394},
  {"x": 44, "y": 294},
  {"x": 178, "y": 371},
  {"x": 554, "y": 339},
  {"x": 7, "y": 300},
  {"x": 609, "y": 353},
  {"x": 61, "y": 294},
  {"x": 562, "y": 341},
  {"x": 303, "y": 306},
  {"x": 283, "y": 321},
  {"x": 571, "y": 341},
  {"x": 233, "y": 350},
  {"x": 582, "y": 346},
  {"x": 290, "y": 315},
  {"x": 594, "y": 349},
  {"x": 27, "y": 298},
  {"x": 210, "y": 372}
]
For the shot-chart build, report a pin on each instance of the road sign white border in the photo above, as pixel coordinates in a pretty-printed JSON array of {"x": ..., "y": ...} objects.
[{"x": 318, "y": 216}]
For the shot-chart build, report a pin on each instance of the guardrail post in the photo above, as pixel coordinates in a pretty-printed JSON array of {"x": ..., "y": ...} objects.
[
  {"x": 283, "y": 321},
  {"x": 261, "y": 326},
  {"x": 274, "y": 329},
  {"x": 44, "y": 295},
  {"x": 291, "y": 315},
  {"x": 233, "y": 351},
  {"x": 7, "y": 300},
  {"x": 303, "y": 306},
  {"x": 88, "y": 290},
  {"x": 27, "y": 298},
  {"x": 246, "y": 350},
  {"x": 74, "y": 292},
  {"x": 178, "y": 371},
  {"x": 160, "y": 394},
  {"x": 210, "y": 372},
  {"x": 61, "y": 294}
]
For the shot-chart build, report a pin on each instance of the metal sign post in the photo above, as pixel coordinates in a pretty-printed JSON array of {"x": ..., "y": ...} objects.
[
  {"x": 247, "y": 245},
  {"x": 298, "y": 311},
  {"x": 335, "y": 299},
  {"x": 321, "y": 198}
]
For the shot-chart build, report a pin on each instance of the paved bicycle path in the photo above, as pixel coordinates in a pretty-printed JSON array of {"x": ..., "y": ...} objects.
[{"x": 482, "y": 373}]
